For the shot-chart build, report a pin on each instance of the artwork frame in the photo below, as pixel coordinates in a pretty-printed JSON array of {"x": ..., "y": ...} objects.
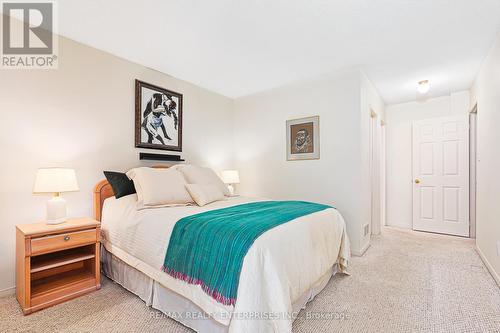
[
  {"x": 154, "y": 104},
  {"x": 301, "y": 144}
]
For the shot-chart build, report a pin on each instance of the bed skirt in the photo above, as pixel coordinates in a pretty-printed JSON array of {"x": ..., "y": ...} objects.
[{"x": 176, "y": 306}]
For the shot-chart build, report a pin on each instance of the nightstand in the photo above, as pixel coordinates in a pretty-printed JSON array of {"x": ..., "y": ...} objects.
[{"x": 55, "y": 263}]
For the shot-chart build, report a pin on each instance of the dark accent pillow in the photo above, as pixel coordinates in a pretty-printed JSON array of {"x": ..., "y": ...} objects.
[{"x": 120, "y": 183}]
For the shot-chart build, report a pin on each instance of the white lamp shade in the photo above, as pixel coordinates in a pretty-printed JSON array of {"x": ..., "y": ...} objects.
[
  {"x": 55, "y": 180},
  {"x": 230, "y": 176}
]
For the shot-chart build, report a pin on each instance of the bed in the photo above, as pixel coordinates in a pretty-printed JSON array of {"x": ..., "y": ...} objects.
[{"x": 283, "y": 270}]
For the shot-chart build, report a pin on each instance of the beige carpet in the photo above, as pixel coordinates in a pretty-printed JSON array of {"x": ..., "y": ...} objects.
[{"x": 406, "y": 282}]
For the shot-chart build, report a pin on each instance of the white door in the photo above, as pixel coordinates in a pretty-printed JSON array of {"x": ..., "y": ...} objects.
[{"x": 441, "y": 175}]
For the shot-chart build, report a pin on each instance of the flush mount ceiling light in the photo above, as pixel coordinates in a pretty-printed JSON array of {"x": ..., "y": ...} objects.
[{"x": 424, "y": 86}]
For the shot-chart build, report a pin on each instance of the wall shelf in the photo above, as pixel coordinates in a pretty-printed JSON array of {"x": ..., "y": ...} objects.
[{"x": 160, "y": 157}]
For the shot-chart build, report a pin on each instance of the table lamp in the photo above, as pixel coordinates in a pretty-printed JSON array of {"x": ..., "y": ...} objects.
[
  {"x": 55, "y": 181},
  {"x": 230, "y": 177}
]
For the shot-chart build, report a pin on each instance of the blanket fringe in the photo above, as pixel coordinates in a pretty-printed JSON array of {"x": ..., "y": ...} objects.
[{"x": 209, "y": 291}]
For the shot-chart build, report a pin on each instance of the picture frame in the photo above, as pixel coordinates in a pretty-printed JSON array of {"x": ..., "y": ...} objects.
[
  {"x": 302, "y": 139},
  {"x": 158, "y": 117}
]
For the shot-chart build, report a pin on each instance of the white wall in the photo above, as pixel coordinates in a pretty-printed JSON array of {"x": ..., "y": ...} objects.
[
  {"x": 335, "y": 179},
  {"x": 399, "y": 119},
  {"x": 82, "y": 116},
  {"x": 486, "y": 92}
]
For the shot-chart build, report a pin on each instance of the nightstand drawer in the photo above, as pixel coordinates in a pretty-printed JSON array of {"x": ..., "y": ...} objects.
[{"x": 62, "y": 241}]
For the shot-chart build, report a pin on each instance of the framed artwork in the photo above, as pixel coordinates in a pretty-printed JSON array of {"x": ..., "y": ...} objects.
[
  {"x": 158, "y": 117},
  {"x": 302, "y": 139}
]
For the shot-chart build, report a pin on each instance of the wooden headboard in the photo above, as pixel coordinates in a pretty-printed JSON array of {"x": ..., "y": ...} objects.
[{"x": 103, "y": 190}]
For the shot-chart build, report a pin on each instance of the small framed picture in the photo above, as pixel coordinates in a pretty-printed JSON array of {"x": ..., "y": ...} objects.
[
  {"x": 158, "y": 117},
  {"x": 302, "y": 139}
]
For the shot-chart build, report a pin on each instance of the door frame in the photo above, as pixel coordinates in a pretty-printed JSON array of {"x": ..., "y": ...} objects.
[
  {"x": 472, "y": 170},
  {"x": 377, "y": 174},
  {"x": 383, "y": 175}
]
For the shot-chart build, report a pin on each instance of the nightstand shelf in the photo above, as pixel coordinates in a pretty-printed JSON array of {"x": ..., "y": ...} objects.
[
  {"x": 55, "y": 263},
  {"x": 53, "y": 287},
  {"x": 61, "y": 258}
]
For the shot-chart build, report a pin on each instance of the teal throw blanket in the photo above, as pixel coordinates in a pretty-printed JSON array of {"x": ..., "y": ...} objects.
[{"x": 208, "y": 249}]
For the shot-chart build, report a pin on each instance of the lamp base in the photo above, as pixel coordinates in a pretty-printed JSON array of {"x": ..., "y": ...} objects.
[
  {"x": 231, "y": 190},
  {"x": 56, "y": 210}
]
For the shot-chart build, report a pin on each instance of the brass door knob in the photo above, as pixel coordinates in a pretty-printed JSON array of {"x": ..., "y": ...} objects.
[{"x": 417, "y": 181}]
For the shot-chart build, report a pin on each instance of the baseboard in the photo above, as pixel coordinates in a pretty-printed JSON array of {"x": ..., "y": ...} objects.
[
  {"x": 361, "y": 252},
  {"x": 488, "y": 265},
  {"x": 8, "y": 291}
]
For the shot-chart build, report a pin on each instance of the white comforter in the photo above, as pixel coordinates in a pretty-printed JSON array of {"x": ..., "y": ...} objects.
[{"x": 281, "y": 265}]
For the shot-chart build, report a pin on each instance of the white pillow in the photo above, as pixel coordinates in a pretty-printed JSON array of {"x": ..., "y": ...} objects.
[
  {"x": 159, "y": 187},
  {"x": 204, "y": 194},
  {"x": 204, "y": 176}
]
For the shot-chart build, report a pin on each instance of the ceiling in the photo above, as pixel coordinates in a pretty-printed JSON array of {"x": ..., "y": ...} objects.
[{"x": 238, "y": 48}]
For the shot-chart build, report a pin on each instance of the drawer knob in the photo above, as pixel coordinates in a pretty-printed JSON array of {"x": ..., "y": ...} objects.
[{"x": 66, "y": 238}]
